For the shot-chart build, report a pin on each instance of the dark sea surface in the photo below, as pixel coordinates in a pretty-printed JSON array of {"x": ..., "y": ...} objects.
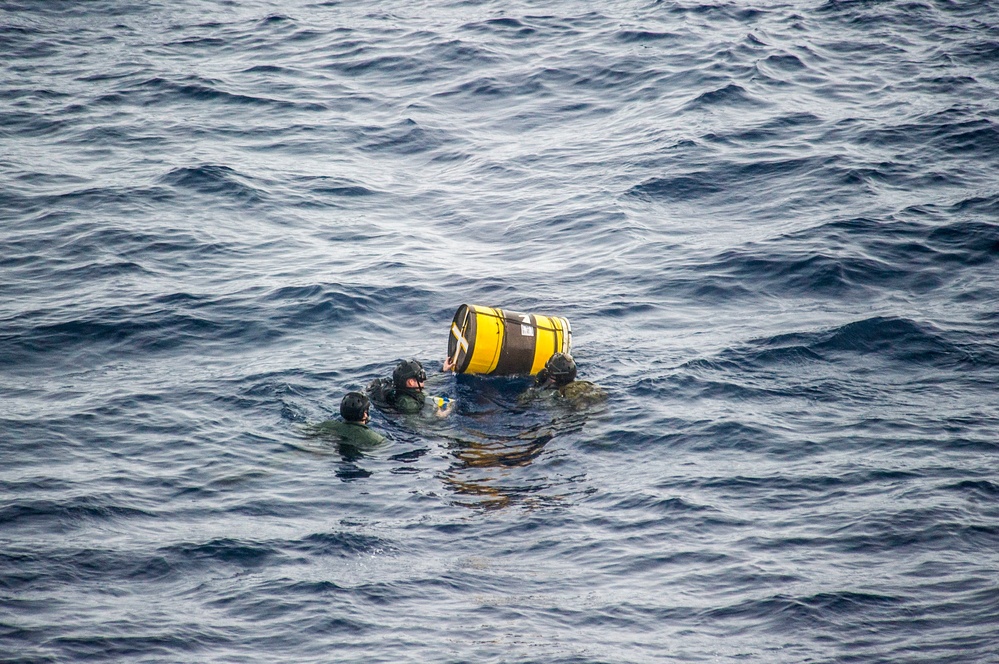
[{"x": 773, "y": 226}]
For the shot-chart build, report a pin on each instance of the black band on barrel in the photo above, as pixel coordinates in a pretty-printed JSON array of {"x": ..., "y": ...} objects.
[{"x": 517, "y": 354}]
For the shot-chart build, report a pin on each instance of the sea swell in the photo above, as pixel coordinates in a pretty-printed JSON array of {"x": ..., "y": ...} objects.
[{"x": 773, "y": 229}]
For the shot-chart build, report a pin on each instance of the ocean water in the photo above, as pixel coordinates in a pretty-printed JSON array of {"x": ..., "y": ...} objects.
[{"x": 774, "y": 227}]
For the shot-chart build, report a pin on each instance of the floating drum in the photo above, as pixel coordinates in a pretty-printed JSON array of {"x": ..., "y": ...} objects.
[{"x": 492, "y": 341}]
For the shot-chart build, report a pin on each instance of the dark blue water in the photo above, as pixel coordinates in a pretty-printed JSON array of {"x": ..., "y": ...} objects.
[{"x": 773, "y": 226}]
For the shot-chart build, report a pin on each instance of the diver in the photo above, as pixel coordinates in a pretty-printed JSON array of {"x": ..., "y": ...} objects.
[
  {"x": 354, "y": 427},
  {"x": 557, "y": 382},
  {"x": 404, "y": 392}
]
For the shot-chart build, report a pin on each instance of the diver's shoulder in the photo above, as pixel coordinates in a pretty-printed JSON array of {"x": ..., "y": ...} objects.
[
  {"x": 363, "y": 434},
  {"x": 351, "y": 432},
  {"x": 581, "y": 387},
  {"x": 329, "y": 428},
  {"x": 583, "y": 393}
]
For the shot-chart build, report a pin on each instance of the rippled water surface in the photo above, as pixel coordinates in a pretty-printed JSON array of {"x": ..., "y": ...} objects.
[{"x": 773, "y": 226}]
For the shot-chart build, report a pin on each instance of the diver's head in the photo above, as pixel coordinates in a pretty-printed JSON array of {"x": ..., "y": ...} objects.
[
  {"x": 409, "y": 375},
  {"x": 560, "y": 369},
  {"x": 354, "y": 407}
]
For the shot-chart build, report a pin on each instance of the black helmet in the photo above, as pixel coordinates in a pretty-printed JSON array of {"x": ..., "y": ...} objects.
[
  {"x": 560, "y": 369},
  {"x": 354, "y": 407},
  {"x": 408, "y": 369}
]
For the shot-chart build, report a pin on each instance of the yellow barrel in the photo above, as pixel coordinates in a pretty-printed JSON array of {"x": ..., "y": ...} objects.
[{"x": 485, "y": 340}]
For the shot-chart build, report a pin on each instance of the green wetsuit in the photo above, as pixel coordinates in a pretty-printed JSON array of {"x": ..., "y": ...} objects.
[
  {"x": 409, "y": 401},
  {"x": 354, "y": 433},
  {"x": 578, "y": 395}
]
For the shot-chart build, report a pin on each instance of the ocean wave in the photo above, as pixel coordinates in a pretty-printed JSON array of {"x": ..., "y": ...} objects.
[
  {"x": 773, "y": 228},
  {"x": 896, "y": 339},
  {"x": 64, "y": 513},
  {"x": 216, "y": 181}
]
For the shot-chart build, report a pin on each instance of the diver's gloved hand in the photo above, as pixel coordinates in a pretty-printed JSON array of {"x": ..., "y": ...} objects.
[{"x": 543, "y": 380}]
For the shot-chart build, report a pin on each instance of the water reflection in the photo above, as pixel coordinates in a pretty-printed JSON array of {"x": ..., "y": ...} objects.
[
  {"x": 485, "y": 470},
  {"x": 502, "y": 452}
]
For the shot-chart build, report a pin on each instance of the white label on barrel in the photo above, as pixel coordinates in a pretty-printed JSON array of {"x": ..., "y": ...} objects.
[
  {"x": 526, "y": 329},
  {"x": 459, "y": 337}
]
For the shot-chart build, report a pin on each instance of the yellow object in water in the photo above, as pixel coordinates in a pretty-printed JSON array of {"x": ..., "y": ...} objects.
[{"x": 486, "y": 340}]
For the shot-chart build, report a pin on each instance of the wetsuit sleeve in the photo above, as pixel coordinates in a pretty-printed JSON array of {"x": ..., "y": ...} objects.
[
  {"x": 408, "y": 404},
  {"x": 527, "y": 395}
]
